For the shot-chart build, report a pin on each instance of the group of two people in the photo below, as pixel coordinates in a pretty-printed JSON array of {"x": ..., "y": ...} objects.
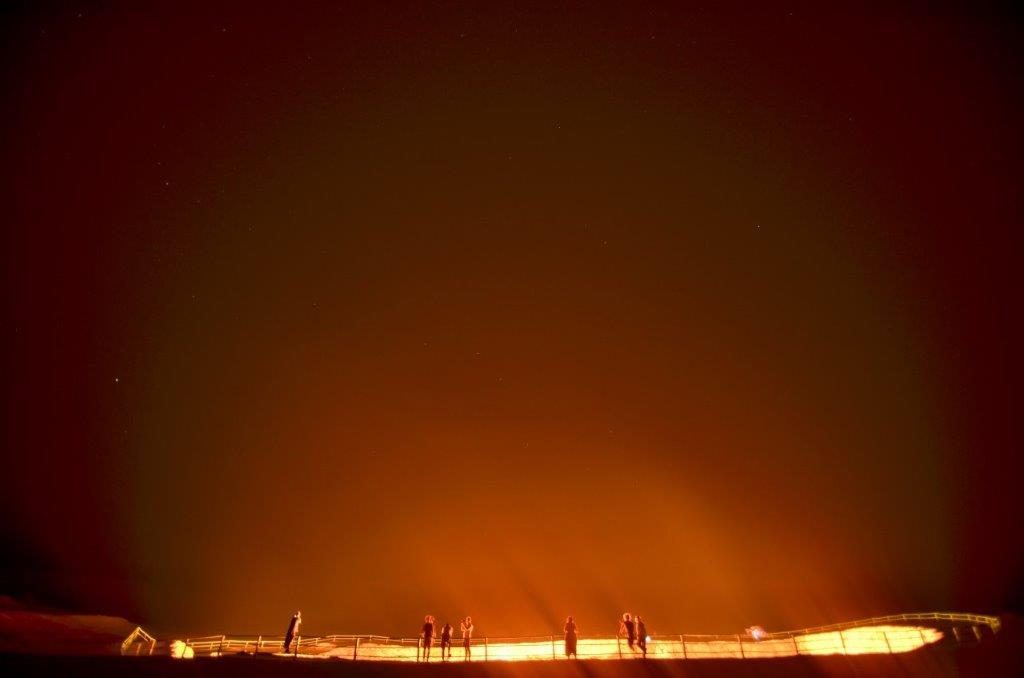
[
  {"x": 465, "y": 625},
  {"x": 636, "y": 632}
]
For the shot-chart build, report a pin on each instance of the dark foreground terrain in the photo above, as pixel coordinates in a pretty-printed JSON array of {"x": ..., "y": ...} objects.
[{"x": 978, "y": 661}]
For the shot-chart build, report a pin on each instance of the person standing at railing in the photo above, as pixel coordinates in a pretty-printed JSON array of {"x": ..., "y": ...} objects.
[
  {"x": 428, "y": 636},
  {"x": 571, "y": 631},
  {"x": 446, "y": 641},
  {"x": 467, "y": 637},
  {"x": 628, "y": 626},
  {"x": 293, "y": 630},
  {"x": 641, "y": 633}
]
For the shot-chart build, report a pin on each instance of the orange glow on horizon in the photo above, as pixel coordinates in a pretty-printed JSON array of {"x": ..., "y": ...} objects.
[
  {"x": 888, "y": 639},
  {"x": 893, "y": 634}
]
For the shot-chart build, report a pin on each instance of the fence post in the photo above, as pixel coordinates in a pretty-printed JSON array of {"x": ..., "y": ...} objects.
[
  {"x": 552, "y": 639},
  {"x": 485, "y": 648},
  {"x": 259, "y": 643},
  {"x": 842, "y": 640},
  {"x": 796, "y": 646},
  {"x": 683, "y": 643},
  {"x": 220, "y": 649},
  {"x": 740, "y": 641},
  {"x": 355, "y": 650},
  {"x": 618, "y": 644},
  {"x": 419, "y": 641},
  {"x": 885, "y": 634}
]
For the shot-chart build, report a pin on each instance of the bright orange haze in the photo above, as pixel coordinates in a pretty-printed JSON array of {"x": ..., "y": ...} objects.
[
  {"x": 854, "y": 641},
  {"x": 382, "y": 312}
]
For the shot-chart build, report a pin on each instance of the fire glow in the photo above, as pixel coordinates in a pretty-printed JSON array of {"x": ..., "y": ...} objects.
[
  {"x": 853, "y": 641},
  {"x": 893, "y": 634}
]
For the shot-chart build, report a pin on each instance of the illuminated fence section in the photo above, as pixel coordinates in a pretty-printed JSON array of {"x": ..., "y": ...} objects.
[{"x": 879, "y": 635}]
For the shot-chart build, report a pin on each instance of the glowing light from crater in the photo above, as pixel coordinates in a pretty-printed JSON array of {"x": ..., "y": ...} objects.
[{"x": 860, "y": 640}]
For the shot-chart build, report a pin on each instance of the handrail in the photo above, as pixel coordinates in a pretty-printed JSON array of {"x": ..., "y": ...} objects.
[
  {"x": 810, "y": 640},
  {"x": 992, "y": 622},
  {"x": 137, "y": 634}
]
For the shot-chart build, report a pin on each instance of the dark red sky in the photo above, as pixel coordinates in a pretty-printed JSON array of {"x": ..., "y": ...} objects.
[{"x": 373, "y": 312}]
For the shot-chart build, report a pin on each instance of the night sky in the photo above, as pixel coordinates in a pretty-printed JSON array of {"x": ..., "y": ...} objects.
[{"x": 707, "y": 314}]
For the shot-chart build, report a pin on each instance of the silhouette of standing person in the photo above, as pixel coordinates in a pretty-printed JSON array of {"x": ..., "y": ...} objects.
[
  {"x": 628, "y": 626},
  {"x": 467, "y": 636},
  {"x": 428, "y": 636},
  {"x": 293, "y": 630},
  {"x": 571, "y": 631},
  {"x": 446, "y": 641},
  {"x": 641, "y": 634}
]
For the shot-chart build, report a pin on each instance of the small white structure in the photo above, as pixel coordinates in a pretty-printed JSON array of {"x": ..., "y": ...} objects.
[
  {"x": 756, "y": 632},
  {"x": 179, "y": 650}
]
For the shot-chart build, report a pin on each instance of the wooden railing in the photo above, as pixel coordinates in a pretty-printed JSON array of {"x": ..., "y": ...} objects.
[{"x": 888, "y": 634}]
